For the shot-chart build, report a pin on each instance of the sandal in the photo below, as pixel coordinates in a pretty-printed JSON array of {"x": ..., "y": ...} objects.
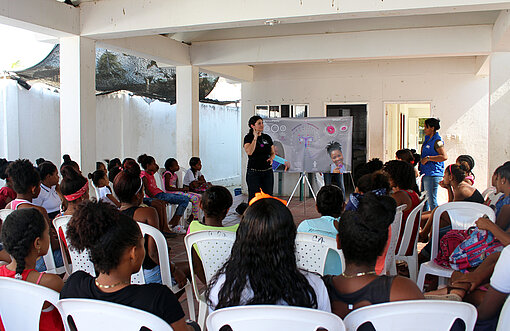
[{"x": 448, "y": 296}]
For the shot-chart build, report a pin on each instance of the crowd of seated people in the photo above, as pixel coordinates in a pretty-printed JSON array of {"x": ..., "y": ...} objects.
[{"x": 262, "y": 267}]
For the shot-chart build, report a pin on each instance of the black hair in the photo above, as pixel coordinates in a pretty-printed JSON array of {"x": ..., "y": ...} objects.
[
  {"x": 23, "y": 175},
  {"x": 45, "y": 168},
  {"x": 405, "y": 155},
  {"x": 263, "y": 258},
  {"x": 128, "y": 182},
  {"x": 3, "y": 168},
  {"x": 127, "y": 159},
  {"x": 96, "y": 176},
  {"x": 402, "y": 174},
  {"x": 19, "y": 230},
  {"x": 98, "y": 165},
  {"x": 417, "y": 157},
  {"x": 459, "y": 172},
  {"x": 72, "y": 180},
  {"x": 363, "y": 233},
  {"x": 68, "y": 162},
  {"x": 104, "y": 231},
  {"x": 504, "y": 171},
  {"x": 374, "y": 181},
  {"x": 193, "y": 162},
  {"x": 330, "y": 201},
  {"x": 333, "y": 146},
  {"x": 467, "y": 162},
  {"x": 216, "y": 200},
  {"x": 113, "y": 163},
  {"x": 252, "y": 121},
  {"x": 145, "y": 160},
  {"x": 169, "y": 163},
  {"x": 363, "y": 169},
  {"x": 433, "y": 123}
]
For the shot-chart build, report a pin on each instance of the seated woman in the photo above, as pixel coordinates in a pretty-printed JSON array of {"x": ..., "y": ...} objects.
[
  {"x": 25, "y": 235},
  {"x": 362, "y": 237},
  {"x": 129, "y": 188},
  {"x": 49, "y": 196},
  {"x": 215, "y": 203},
  {"x": 116, "y": 248},
  {"x": 262, "y": 267},
  {"x": 330, "y": 204}
]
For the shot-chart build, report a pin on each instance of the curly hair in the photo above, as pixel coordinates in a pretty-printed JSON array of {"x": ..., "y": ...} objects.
[
  {"x": 19, "y": 231},
  {"x": 216, "y": 200},
  {"x": 169, "y": 163},
  {"x": 374, "y": 181},
  {"x": 145, "y": 160},
  {"x": 333, "y": 146},
  {"x": 102, "y": 229},
  {"x": 363, "y": 233},
  {"x": 23, "y": 175},
  {"x": 402, "y": 174},
  {"x": 45, "y": 168},
  {"x": 72, "y": 180},
  {"x": 3, "y": 168},
  {"x": 128, "y": 182},
  {"x": 96, "y": 176},
  {"x": 330, "y": 200},
  {"x": 263, "y": 256}
]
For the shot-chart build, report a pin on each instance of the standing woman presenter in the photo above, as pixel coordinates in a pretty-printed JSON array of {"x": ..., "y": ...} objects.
[
  {"x": 260, "y": 150},
  {"x": 433, "y": 156}
]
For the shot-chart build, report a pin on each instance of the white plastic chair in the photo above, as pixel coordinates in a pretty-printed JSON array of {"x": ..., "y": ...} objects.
[
  {"x": 462, "y": 216},
  {"x": 390, "y": 267},
  {"x": 492, "y": 196},
  {"x": 88, "y": 314},
  {"x": 411, "y": 260},
  {"x": 312, "y": 251},
  {"x": 22, "y": 303},
  {"x": 273, "y": 318},
  {"x": 164, "y": 265},
  {"x": 214, "y": 247},
  {"x": 417, "y": 315},
  {"x": 4, "y": 213},
  {"x": 487, "y": 191},
  {"x": 504, "y": 317}
]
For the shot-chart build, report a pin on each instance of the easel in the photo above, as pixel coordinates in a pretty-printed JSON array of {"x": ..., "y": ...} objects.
[{"x": 302, "y": 179}]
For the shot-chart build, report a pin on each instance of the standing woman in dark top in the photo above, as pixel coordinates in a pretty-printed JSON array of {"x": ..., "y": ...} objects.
[{"x": 260, "y": 150}]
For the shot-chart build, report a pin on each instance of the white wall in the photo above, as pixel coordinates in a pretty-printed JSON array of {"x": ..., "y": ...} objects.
[{"x": 457, "y": 96}]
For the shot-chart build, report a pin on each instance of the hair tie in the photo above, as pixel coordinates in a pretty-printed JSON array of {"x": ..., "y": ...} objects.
[
  {"x": 261, "y": 195},
  {"x": 77, "y": 194}
]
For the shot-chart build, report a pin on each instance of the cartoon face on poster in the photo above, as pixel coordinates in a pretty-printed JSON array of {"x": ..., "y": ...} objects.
[{"x": 311, "y": 144}]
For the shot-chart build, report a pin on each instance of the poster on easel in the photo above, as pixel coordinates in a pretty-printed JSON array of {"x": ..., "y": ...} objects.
[{"x": 311, "y": 144}]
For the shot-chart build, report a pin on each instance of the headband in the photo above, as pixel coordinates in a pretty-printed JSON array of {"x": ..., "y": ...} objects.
[
  {"x": 450, "y": 169},
  {"x": 261, "y": 195},
  {"x": 77, "y": 194},
  {"x": 141, "y": 185}
]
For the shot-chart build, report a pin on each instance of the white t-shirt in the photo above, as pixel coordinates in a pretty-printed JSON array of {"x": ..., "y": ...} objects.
[
  {"x": 315, "y": 281},
  {"x": 500, "y": 279},
  {"x": 102, "y": 192},
  {"x": 189, "y": 177},
  {"x": 48, "y": 198}
]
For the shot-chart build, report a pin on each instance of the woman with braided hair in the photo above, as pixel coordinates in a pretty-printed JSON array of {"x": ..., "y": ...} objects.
[{"x": 25, "y": 236}]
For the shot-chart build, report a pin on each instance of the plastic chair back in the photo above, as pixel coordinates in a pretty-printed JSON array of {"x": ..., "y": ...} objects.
[
  {"x": 413, "y": 217},
  {"x": 390, "y": 267},
  {"x": 504, "y": 317},
  {"x": 22, "y": 302},
  {"x": 4, "y": 213},
  {"x": 88, "y": 314},
  {"x": 312, "y": 250},
  {"x": 418, "y": 315},
  {"x": 273, "y": 318}
]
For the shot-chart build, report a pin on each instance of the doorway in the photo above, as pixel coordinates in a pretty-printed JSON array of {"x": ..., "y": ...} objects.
[{"x": 404, "y": 127}]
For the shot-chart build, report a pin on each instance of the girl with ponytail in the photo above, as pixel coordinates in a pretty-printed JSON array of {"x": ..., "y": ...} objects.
[{"x": 25, "y": 236}]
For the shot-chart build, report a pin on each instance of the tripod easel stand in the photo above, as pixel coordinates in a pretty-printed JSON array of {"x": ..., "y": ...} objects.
[{"x": 302, "y": 178}]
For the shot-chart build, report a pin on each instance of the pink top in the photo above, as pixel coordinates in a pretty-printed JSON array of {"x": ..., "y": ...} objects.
[
  {"x": 151, "y": 183},
  {"x": 471, "y": 178},
  {"x": 6, "y": 192},
  {"x": 18, "y": 202},
  {"x": 173, "y": 180}
]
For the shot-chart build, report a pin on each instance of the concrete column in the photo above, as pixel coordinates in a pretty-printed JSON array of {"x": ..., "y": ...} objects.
[
  {"x": 187, "y": 117},
  {"x": 499, "y": 119},
  {"x": 78, "y": 100},
  {"x": 9, "y": 95},
  {"x": 246, "y": 113}
]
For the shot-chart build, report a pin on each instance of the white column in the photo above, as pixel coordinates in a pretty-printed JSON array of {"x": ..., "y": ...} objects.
[
  {"x": 10, "y": 120},
  {"x": 78, "y": 100},
  {"x": 187, "y": 117}
]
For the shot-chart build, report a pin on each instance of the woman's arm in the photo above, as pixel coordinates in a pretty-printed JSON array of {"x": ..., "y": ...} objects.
[
  {"x": 145, "y": 187},
  {"x": 249, "y": 148},
  {"x": 113, "y": 199},
  {"x": 149, "y": 215},
  {"x": 491, "y": 304},
  {"x": 486, "y": 224},
  {"x": 271, "y": 157}
]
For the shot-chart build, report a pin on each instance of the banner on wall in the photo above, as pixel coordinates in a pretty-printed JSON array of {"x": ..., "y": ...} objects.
[{"x": 311, "y": 144}]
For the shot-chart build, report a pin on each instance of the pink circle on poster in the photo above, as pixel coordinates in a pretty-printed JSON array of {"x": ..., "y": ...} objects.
[
  {"x": 330, "y": 129},
  {"x": 343, "y": 128}
]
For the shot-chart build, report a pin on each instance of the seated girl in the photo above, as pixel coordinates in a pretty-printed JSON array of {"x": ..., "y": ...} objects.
[
  {"x": 170, "y": 180},
  {"x": 262, "y": 267},
  {"x": 150, "y": 167},
  {"x": 362, "y": 237},
  {"x": 7, "y": 193},
  {"x": 129, "y": 188},
  {"x": 215, "y": 203},
  {"x": 193, "y": 179},
  {"x": 49, "y": 196},
  {"x": 100, "y": 180},
  {"x": 26, "y": 182},
  {"x": 25, "y": 235},
  {"x": 330, "y": 204},
  {"x": 116, "y": 248}
]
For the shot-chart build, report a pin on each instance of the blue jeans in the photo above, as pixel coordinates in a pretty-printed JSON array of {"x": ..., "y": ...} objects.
[
  {"x": 152, "y": 275},
  {"x": 430, "y": 184},
  {"x": 180, "y": 200},
  {"x": 57, "y": 256}
]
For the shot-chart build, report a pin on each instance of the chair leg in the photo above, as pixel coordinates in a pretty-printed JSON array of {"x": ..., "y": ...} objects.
[
  {"x": 191, "y": 302},
  {"x": 202, "y": 314},
  {"x": 412, "y": 265},
  {"x": 421, "y": 280}
]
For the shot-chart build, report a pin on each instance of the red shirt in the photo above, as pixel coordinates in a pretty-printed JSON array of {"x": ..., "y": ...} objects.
[
  {"x": 6, "y": 192},
  {"x": 151, "y": 183}
]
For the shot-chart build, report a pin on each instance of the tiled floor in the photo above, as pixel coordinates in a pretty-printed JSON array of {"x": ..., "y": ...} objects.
[{"x": 300, "y": 210}]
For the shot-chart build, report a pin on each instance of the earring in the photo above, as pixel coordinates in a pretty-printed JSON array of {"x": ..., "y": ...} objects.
[{"x": 38, "y": 250}]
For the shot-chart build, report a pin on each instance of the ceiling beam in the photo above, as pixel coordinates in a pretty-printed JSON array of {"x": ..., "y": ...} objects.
[
  {"x": 43, "y": 16},
  {"x": 482, "y": 65},
  {"x": 242, "y": 73},
  {"x": 405, "y": 43},
  {"x": 501, "y": 32},
  {"x": 164, "y": 50},
  {"x": 119, "y": 18}
]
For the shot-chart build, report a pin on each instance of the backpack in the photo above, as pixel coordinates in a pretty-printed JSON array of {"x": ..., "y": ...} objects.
[
  {"x": 472, "y": 251},
  {"x": 447, "y": 245}
]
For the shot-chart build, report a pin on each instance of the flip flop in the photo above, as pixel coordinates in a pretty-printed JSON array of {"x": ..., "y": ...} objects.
[{"x": 169, "y": 234}]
